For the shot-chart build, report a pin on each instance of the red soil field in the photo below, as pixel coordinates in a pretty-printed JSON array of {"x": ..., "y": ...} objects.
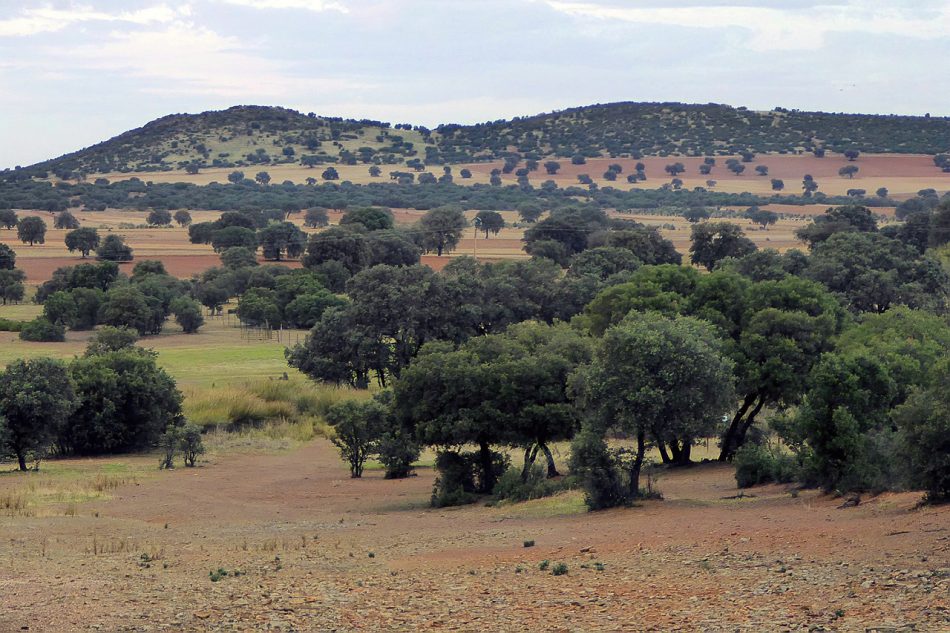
[{"x": 320, "y": 551}]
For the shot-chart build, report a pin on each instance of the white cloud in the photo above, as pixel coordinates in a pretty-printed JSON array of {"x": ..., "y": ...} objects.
[
  {"x": 776, "y": 29},
  {"x": 308, "y": 5},
  {"x": 194, "y": 60},
  {"x": 48, "y": 20}
]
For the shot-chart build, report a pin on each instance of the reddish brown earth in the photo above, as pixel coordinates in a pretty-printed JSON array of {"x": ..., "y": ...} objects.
[
  {"x": 320, "y": 551},
  {"x": 784, "y": 166},
  {"x": 39, "y": 270}
]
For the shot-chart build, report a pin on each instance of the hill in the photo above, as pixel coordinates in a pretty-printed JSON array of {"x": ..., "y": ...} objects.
[{"x": 250, "y": 136}]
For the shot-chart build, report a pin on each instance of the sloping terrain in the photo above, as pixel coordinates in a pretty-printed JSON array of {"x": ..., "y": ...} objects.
[
  {"x": 258, "y": 136},
  {"x": 315, "y": 550}
]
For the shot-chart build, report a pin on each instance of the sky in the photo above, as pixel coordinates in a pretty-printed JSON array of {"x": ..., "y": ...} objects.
[{"x": 73, "y": 73}]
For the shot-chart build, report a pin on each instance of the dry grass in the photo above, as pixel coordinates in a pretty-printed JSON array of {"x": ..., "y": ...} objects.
[
  {"x": 264, "y": 414},
  {"x": 59, "y": 486}
]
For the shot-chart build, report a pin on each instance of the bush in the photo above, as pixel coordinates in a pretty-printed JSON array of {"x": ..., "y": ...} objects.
[
  {"x": 7, "y": 325},
  {"x": 187, "y": 314},
  {"x": 511, "y": 487},
  {"x": 559, "y": 569},
  {"x": 597, "y": 471},
  {"x": 758, "y": 465},
  {"x": 191, "y": 444},
  {"x": 42, "y": 330},
  {"x": 111, "y": 339},
  {"x": 397, "y": 451},
  {"x": 169, "y": 443},
  {"x": 357, "y": 426},
  {"x": 455, "y": 484},
  {"x": 924, "y": 422}
]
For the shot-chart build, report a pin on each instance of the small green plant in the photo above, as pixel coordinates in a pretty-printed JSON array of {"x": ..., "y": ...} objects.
[
  {"x": 599, "y": 566},
  {"x": 519, "y": 569},
  {"x": 529, "y": 543},
  {"x": 190, "y": 444},
  {"x": 217, "y": 574},
  {"x": 372, "y": 554},
  {"x": 169, "y": 443},
  {"x": 559, "y": 569},
  {"x": 544, "y": 564},
  {"x": 220, "y": 573}
]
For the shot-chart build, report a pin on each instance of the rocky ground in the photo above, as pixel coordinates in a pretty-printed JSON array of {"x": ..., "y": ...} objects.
[{"x": 295, "y": 545}]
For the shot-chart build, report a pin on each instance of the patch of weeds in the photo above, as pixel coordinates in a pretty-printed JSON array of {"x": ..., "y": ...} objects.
[
  {"x": 559, "y": 569},
  {"x": 529, "y": 543},
  {"x": 221, "y": 573},
  {"x": 519, "y": 569},
  {"x": 839, "y": 613},
  {"x": 544, "y": 564},
  {"x": 217, "y": 574},
  {"x": 599, "y": 566},
  {"x": 372, "y": 554}
]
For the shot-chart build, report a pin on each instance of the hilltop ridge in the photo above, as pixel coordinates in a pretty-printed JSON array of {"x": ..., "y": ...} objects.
[{"x": 247, "y": 136}]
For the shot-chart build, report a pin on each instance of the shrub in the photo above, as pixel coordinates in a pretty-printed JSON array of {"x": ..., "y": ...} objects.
[
  {"x": 169, "y": 444},
  {"x": 597, "y": 472},
  {"x": 455, "y": 484},
  {"x": 42, "y": 330},
  {"x": 559, "y": 569},
  {"x": 357, "y": 427},
  {"x": 187, "y": 314},
  {"x": 511, "y": 486},
  {"x": 397, "y": 451},
  {"x": 759, "y": 464},
  {"x": 191, "y": 444},
  {"x": 7, "y": 325},
  {"x": 924, "y": 422},
  {"x": 111, "y": 339}
]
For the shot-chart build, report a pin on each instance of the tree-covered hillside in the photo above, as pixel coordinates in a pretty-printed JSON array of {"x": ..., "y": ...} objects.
[{"x": 248, "y": 136}]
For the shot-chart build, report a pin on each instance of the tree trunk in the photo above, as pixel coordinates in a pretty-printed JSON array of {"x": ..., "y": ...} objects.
[
  {"x": 663, "y": 454},
  {"x": 22, "y": 459},
  {"x": 687, "y": 451},
  {"x": 637, "y": 465},
  {"x": 530, "y": 454},
  {"x": 552, "y": 469},
  {"x": 730, "y": 437},
  {"x": 675, "y": 453},
  {"x": 485, "y": 463},
  {"x": 747, "y": 424}
]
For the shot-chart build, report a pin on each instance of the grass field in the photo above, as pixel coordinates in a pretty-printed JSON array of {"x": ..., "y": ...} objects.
[{"x": 221, "y": 353}]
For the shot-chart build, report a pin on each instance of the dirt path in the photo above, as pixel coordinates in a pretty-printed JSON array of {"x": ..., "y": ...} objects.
[{"x": 318, "y": 551}]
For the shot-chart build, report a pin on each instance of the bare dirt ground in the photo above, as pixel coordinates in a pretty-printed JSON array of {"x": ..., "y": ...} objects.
[{"x": 318, "y": 551}]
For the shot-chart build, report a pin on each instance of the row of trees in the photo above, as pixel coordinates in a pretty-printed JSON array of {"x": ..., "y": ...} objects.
[{"x": 83, "y": 296}]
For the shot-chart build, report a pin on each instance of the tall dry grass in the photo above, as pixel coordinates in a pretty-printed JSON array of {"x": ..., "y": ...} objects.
[{"x": 263, "y": 414}]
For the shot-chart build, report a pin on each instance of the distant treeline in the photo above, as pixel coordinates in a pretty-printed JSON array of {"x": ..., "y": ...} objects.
[{"x": 134, "y": 194}]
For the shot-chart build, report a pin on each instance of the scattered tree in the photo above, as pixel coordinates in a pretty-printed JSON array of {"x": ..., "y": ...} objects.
[
  {"x": 83, "y": 240},
  {"x": 31, "y": 230}
]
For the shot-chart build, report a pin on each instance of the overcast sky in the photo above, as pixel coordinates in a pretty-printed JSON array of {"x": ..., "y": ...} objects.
[{"x": 75, "y": 73}]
